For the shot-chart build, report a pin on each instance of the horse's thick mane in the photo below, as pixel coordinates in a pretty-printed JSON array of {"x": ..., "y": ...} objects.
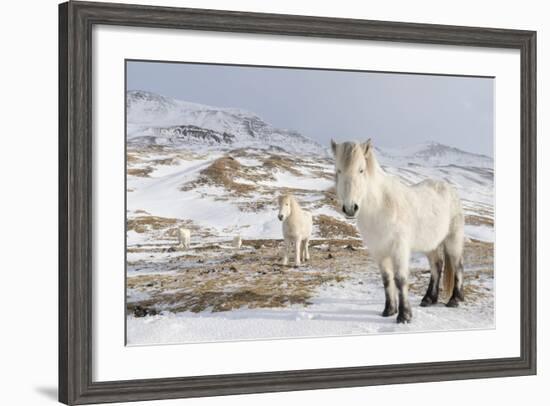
[
  {"x": 295, "y": 206},
  {"x": 293, "y": 202},
  {"x": 349, "y": 149}
]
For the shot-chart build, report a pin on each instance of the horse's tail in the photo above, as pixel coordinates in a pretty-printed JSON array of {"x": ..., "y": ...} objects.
[
  {"x": 453, "y": 248},
  {"x": 448, "y": 275}
]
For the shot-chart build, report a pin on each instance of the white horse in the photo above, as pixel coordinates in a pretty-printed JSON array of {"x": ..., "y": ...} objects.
[
  {"x": 395, "y": 219},
  {"x": 237, "y": 242},
  {"x": 184, "y": 237},
  {"x": 297, "y": 227}
]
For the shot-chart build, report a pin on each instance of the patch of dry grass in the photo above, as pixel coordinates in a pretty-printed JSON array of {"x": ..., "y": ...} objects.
[
  {"x": 254, "y": 277},
  {"x": 133, "y": 158},
  {"x": 164, "y": 227},
  {"x": 281, "y": 162},
  {"x": 322, "y": 174},
  {"x": 328, "y": 198},
  {"x": 479, "y": 252},
  {"x": 329, "y": 226},
  {"x": 475, "y": 220},
  {"x": 142, "y": 172},
  {"x": 222, "y": 172},
  {"x": 212, "y": 294},
  {"x": 166, "y": 161},
  {"x": 142, "y": 160},
  {"x": 255, "y": 206},
  {"x": 144, "y": 224},
  {"x": 251, "y": 279}
]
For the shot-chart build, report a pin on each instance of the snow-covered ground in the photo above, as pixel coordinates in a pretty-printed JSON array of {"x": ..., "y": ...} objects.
[
  {"x": 351, "y": 307},
  {"x": 218, "y": 172}
]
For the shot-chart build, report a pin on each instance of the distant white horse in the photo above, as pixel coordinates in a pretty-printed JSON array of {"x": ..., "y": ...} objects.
[
  {"x": 237, "y": 242},
  {"x": 297, "y": 227},
  {"x": 395, "y": 219},
  {"x": 184, "y": 237}
]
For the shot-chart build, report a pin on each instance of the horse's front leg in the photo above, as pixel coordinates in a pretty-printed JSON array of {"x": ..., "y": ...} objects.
[
  {"x": 297, "y": 252},
  {"x": 386, "y": 272},
  {"x": 286, "y": 250},
  {"x": 401, "y": 278}
]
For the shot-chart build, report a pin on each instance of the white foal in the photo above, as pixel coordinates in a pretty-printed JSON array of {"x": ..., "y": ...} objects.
[
  {"x": 237, "y": 242},
  {"x": 297, "y": 227},
  {"x": 184, "y": 237},
  {"x": 395, "y": 219}
]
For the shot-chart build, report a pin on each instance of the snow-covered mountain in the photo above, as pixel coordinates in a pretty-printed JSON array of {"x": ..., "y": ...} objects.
[
  {"x": 156, "y": 119},
  {"x": 431, "y": 153}
]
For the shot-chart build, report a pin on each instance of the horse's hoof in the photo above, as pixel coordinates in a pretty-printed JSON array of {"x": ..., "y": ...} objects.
[
  {"x": 427, "y": 301},
  {"x": 404, "y": 318},
  {"x": 389, "y": 312},
  {"x": 453, "y": 302}
]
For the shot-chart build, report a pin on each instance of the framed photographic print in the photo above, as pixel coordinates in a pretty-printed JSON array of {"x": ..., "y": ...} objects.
[{"x": 259, "y": 202}]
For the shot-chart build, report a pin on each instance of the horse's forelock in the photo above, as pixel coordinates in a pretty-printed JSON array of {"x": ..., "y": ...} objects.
[
  {"x": 287, "y": 197},
  {"x": 347, "y": 151}
]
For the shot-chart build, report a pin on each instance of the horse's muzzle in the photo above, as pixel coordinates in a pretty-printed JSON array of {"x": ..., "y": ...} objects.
[
  {"x": 350, "y": 211},
  {"x": 280, "y": 217}
]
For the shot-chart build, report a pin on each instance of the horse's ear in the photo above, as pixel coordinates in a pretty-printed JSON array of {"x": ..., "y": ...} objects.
[
  {"x": 333, "y": 146},
  {"x": 367, "y": 147}
]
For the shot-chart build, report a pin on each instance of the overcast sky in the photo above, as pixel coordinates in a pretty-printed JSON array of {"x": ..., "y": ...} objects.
[{"x": 392, "y": 109}]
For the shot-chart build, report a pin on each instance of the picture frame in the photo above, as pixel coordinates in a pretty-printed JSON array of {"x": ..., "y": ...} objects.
[{"x": 76, "y": 352}]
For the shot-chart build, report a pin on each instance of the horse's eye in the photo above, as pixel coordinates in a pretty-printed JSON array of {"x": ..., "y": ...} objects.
[
  {"x": 361, "y": 170},
  {"x": 339, "y": 171}
]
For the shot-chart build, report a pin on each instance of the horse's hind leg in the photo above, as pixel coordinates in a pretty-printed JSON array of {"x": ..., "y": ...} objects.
[
  {"x": 386, "y": 271},
  {"x": 305, "y": 249},
  {"x": 436, "y": 267},
  {"x": 453, "y": 252},
  {"x": 458, "y": 289}
]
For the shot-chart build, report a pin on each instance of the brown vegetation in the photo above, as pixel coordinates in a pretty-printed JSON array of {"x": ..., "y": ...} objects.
[
  {"x": 144, "y": 224},
  {"x": 255, "y": 279},
  {"x": 475, "y": 220},
  {"x": 282, "y": 163},
  {"x": 142, "y": 172},
  {"x": 479, "y": 253},
  {"x": 223, "y": 172},
  {"x": 330, "y": 227}
]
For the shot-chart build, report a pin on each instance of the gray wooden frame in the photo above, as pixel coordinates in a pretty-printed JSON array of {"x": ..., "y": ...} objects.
[{"x": 76, "y": 20}]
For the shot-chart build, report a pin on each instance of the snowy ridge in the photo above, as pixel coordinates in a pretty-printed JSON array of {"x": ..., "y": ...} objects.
[
  {"x": 431, "y": 153},
  {"x": 156, "y": 119}
]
